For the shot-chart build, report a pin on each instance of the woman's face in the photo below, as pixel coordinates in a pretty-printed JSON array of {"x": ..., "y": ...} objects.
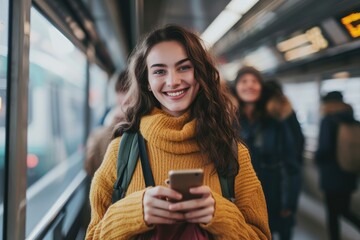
[
  {"x": 248, "y": 88},
  {"x": 171, "y": 77}
]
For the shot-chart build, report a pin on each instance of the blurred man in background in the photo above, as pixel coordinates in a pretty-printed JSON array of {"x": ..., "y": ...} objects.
[
  {"x": 337, "y": 183},
  {"x": 100, "y": 138}
]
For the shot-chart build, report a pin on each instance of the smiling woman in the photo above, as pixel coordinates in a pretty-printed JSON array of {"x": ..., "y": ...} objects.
[
  {"x": 187, "y": 122},
  {"x": 171, "y": 77}
]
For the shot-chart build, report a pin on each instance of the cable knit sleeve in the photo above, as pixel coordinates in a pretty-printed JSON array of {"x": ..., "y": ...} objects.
[
  {"x": 121, "y": 220},
  {"x": 247, "y": 218}
]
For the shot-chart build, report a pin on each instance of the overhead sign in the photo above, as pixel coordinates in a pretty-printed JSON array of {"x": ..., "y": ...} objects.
[
  {"x": 303, "y": 44},
  {"x": 351, "y": 22}
]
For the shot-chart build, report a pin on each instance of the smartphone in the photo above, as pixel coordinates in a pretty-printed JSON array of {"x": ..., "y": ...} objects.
[{"x": 182, "y": 180}]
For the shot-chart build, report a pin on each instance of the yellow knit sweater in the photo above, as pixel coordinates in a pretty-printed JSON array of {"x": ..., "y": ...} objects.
[{"x": 171, "y": 145}]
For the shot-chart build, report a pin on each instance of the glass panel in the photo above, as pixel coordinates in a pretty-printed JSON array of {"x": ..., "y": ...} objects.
[
  {"x": 305, "y": 100},
  {"x": 56, "y": 116},
  {"x": 4, "y": 29},
  {"x": 98, "y": 83},
  {"x": 350, "y": 88}
]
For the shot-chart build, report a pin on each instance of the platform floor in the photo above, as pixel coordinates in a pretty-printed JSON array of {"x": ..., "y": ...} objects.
[{"x": 311, "y": 222}]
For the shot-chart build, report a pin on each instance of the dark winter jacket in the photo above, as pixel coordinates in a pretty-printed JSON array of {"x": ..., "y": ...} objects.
[
  {"x": 279, "y": 107},
  {"x": 332, "y": 177},
  {"x": 272, "y": 149}
]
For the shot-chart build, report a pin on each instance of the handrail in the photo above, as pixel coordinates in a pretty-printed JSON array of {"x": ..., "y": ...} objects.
[
  {"x": 49, "y": 178},
  {"x": 50, "y": 217}
]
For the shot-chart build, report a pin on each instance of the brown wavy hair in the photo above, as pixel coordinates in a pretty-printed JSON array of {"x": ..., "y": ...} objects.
[{"x": 214, "y": 112}]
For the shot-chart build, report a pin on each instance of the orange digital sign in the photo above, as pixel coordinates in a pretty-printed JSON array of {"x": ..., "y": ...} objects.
[{"x": 352, "y": 24}]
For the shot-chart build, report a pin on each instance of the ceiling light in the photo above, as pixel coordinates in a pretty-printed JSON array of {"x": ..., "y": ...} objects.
[
  {"x": 241, "y": 6},
  {"x": 226, "y": 20},
  {"x": 341, "y": 75},
  {"x": 220, "y": 26}
]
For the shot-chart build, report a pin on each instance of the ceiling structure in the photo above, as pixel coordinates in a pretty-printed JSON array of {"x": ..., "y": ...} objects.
[
  {"x": 121, "y": 23},
  {"x": 193, "y": 14}
]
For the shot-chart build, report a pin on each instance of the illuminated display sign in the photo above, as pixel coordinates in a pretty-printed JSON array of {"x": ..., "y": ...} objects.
[
  {"x": 351, "y": 22},
  {"x": 304, "y": 44}
]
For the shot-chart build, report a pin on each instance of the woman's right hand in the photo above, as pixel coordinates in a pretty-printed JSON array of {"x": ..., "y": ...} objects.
[{"x": 156, "y": 208}]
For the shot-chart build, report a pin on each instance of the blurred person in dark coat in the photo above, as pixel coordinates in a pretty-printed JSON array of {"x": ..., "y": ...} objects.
[
  {"x": 337, "y": 184},
  {"x": 272, "y": 151},
  {"x": 279, "y": 107},
  {"x": 100, "y": 138}
]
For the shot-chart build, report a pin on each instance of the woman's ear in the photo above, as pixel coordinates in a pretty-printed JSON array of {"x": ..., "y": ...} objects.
[{"x": 149, "y": 88}]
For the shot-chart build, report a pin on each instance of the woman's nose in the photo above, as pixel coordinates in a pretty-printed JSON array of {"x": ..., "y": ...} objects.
[{"x": 173, "y": 79}]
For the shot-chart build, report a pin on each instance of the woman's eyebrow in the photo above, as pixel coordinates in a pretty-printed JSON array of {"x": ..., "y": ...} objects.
[
  {"x": 181, "y": 61},
  {"x": 158, "y": 65},
  {"x": 164, "y": 65}
]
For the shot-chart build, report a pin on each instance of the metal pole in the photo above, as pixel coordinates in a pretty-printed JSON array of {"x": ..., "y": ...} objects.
[
  {"x": 137, "y": 8},
  {"x": 87, "y": 113},
  {"x": 16, "y": 120}
]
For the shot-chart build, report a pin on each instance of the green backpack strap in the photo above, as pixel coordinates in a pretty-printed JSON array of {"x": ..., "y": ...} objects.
[
  {"x": 227, "y": 183},
  {"x": 128, "y": 155},
  {"x": 227, "y": 187}
]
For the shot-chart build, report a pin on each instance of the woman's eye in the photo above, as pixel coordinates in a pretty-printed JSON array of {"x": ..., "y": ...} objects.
[
  {"x": 184, "y": 68},
  {"x": 159, "y": 72}
]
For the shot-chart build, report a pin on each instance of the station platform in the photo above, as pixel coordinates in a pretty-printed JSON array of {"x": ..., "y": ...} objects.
[{"x": 311, "y": 222}]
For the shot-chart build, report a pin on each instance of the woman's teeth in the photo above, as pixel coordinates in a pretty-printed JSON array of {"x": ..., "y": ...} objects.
[{"x": 174, "y": 94}]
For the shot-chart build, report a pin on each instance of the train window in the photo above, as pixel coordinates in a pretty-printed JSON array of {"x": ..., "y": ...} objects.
[
  {"x": 4, "y": 29},
  {"x": 97, "y": 97},
  {"x": 56, "y": 115}
]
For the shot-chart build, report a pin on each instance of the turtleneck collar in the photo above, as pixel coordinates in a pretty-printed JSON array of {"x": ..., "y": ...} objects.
[{"x": 168, "y": 133}]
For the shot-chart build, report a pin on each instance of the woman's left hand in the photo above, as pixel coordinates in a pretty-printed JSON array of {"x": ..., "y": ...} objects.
[{"x": 200, "y": 210}]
